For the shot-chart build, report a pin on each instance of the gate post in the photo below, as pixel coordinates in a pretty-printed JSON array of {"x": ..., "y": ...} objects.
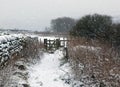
[
  {"x": 57, "y": 43},
  {"x": 66, "y": 50},
  {"x": 45, "y": 44}
]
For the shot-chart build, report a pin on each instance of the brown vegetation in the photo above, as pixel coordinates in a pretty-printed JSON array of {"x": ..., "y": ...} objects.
[{"x": 94, "y": 61}]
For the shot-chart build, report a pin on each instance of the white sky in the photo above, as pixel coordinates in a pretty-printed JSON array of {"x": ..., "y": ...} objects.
[{"x": 37, "y": 14}]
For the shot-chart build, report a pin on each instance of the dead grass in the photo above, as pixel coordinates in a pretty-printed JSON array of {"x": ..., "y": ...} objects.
[{"x": 98, "y": 60}]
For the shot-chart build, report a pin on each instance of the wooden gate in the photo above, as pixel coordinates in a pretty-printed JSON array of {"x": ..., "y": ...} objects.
[{"x": 54, "y": 44}]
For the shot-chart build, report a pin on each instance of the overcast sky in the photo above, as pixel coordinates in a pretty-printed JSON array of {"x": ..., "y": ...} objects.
[{"x": 37, "y": 14}]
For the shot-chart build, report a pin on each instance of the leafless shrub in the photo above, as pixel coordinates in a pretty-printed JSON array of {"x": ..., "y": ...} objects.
[
  {"x": 96, "y": 60},
  {"x": 31, "y": 49}
]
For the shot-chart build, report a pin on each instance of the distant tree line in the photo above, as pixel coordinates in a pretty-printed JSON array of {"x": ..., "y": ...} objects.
[
  {"x": 94, "y": 26},
  {"x": 63, "y": 24}
]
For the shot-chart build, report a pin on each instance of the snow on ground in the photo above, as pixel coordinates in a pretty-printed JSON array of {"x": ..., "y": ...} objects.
[{"x": 47, "y": 72}]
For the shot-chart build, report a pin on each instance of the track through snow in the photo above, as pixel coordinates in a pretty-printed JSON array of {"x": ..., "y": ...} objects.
[{"x": 47, "y": 72}]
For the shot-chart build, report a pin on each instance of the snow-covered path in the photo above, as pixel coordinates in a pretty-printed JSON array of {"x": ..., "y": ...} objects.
[{"x": 46, "y": 72}]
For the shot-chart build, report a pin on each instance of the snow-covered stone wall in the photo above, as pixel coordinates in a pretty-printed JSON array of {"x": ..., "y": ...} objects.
[{"x": 10, "y": 44}]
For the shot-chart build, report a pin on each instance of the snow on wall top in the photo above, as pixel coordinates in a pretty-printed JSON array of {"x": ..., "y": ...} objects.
[{"x": 5, "y": 38}]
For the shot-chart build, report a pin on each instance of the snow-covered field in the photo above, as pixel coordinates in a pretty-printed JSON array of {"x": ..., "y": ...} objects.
[{"x": 49, "y": 69}]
